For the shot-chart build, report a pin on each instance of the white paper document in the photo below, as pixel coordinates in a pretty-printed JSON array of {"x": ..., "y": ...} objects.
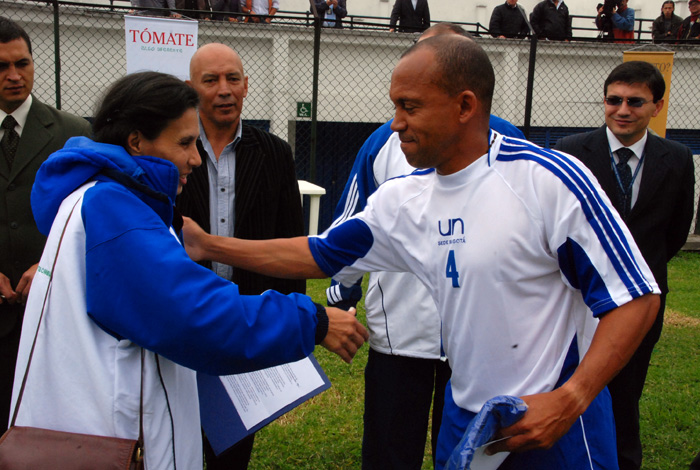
[{"x": 260, "y": 394}]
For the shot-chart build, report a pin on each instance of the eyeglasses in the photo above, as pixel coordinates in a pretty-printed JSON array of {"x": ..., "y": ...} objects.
[{"x": 631, "y": 102}]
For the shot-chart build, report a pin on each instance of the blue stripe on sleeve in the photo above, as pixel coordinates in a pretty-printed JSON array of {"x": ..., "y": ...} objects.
[
  {"x": 342, "y": 246},
  {"x": 598, "y": 214},
  {"x": 582, "y": 274},
  {"x": 361, "y": 182}
]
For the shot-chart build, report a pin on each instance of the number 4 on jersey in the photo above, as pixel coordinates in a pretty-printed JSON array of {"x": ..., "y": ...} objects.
[{"x": 451, "y": 270}]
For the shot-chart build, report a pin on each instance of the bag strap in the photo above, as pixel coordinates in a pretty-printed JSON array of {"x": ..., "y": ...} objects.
[
  {"x": 139, "y": 451},
  {"x": 139, "y": 444},
  {"x": 41, "y": 316}
]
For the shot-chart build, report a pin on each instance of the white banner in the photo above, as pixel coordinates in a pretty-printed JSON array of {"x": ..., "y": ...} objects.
[{"x": 160, "y": 44}]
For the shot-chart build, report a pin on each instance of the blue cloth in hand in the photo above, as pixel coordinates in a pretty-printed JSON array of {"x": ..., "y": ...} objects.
[{"x": 499, "y": 412}]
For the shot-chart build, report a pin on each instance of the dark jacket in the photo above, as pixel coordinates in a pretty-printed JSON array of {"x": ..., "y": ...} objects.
[
  {"x": 689, "y": 31},
  {"x": 508, "y": 21},
  {"x": 267, "y": 201},
  {"x": 21, "y": 244},
  {"x": 550, "y": 22},
  {"x": 666, "y": 31},
  {"x": 660, "y": 219},
  {"x": 410, "y": 20},
  {"x": 340, "y": 11}
]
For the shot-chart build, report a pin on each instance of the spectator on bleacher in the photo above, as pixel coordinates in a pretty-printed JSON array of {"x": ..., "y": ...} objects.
[
  {"x": 197, "y": 9},
  {"x": 260, "y": 11},
  {"x": 413, "y": 16},
  {"x": 665, "y": 27},
  {"x": 690, "y": 28},
  {"x": 225, "y": 10},
  {"x": 331, "y": 12},
  {"x": 161, "y": 7},
  {"x": 623, "y": 23},
  {"x": 509, "y": 20},
  {"x": 551, "y": 20}
]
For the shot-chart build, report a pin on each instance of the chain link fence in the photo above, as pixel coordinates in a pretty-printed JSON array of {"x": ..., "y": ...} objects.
[{"x": 327, "y": 112}]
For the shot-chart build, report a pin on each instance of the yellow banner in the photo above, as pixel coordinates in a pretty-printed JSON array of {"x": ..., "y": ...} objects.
[{"x": 663, "y": 60}]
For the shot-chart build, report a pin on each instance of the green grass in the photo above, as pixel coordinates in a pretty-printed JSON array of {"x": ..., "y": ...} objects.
[{"x": 326, "y": 432}]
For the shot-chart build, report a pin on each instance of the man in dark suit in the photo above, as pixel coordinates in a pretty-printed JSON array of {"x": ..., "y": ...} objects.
[
  {"x": 551, "y": 20},
  {"x": 246, "y": 186},
  {"x": 650, "y": 181},
  {"x": 509, "y": 20},
  {"x": 413, "y": 16},
  {"x": 29, "y": 132},
  {"x": 332, "y": 12}
]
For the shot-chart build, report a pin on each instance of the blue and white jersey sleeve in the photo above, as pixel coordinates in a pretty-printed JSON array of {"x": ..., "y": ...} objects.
[
  {"x": 594, "y": 248},
  {"x": 361, "y": 181},
  {"x": 372, "y": 239}
]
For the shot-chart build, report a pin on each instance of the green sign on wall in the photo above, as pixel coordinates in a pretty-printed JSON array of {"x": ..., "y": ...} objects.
[{"x": 303, "y": 109}]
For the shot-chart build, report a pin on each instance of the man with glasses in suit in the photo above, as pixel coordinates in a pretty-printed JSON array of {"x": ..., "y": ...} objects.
[{"x": 650, "y": 181}]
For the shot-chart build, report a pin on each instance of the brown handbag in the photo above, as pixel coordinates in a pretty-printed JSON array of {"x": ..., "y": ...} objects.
[{"x": 29, "y": 448}]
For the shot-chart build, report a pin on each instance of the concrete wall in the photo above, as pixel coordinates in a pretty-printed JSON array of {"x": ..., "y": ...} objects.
[{"x": 354, "y": 74}]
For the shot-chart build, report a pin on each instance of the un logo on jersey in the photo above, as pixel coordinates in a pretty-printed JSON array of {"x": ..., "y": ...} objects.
[{"x": 451, "y": 228}]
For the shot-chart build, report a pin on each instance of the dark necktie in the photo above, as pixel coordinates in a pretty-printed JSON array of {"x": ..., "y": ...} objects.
[
  {"x": 10, "y": 140},
  {"x": 625, "y": 173}
]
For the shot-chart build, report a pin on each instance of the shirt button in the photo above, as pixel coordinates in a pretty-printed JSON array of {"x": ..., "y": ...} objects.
[
  {"x": 223, "y": 190},
  {"x": 14, "y": 225},
  {"x": 223, "y": 221},
  {"x": 11, "y": 187}
]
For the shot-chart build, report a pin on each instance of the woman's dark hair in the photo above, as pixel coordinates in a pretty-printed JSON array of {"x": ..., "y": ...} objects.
[{"x": 145, "y": 102}]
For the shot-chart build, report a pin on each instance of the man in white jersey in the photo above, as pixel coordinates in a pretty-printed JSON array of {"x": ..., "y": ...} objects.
[
  {"x": 407, "y": 371},
  {"x": 517, "y": 245}
]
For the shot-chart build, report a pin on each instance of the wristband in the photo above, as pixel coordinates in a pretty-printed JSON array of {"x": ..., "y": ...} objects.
[{"x": 322, "y": 325}]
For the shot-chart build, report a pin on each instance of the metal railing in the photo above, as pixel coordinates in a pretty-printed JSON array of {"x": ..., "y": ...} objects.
[{"x": 549, "y": 89}]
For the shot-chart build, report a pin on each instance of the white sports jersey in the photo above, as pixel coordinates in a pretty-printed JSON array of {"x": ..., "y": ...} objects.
[
  {"x": 401, "y": 316},
  {"x": 515, "y": 249}
]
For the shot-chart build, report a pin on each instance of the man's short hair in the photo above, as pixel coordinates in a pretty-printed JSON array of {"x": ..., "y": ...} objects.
[
  {"x": 446, "y": 28},
  {"x": 463, "y": 65},
  {"x": 637, "y": 71},
  {"x": 9, "y": 31}
]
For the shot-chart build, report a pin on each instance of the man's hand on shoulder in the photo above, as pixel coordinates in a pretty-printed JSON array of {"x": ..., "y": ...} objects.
[{"x": 345, "y": 334}]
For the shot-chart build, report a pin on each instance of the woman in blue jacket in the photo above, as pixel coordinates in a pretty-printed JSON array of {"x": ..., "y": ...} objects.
[{"x": 114, "y": 281}]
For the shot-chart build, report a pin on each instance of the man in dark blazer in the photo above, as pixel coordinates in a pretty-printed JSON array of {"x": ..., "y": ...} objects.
[
  {"x": 249, "y": 175},
  {"x": 413, "y": 16},
  {"x": 30, "y": 132},
  {"x": 654, "y": 193},
  {"x": 332, "y": 12}
]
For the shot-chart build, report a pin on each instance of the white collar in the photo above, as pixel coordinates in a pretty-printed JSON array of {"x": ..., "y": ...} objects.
[
  {"x": 20, "y": 114},
  {"x": 637, "y": 147}
]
